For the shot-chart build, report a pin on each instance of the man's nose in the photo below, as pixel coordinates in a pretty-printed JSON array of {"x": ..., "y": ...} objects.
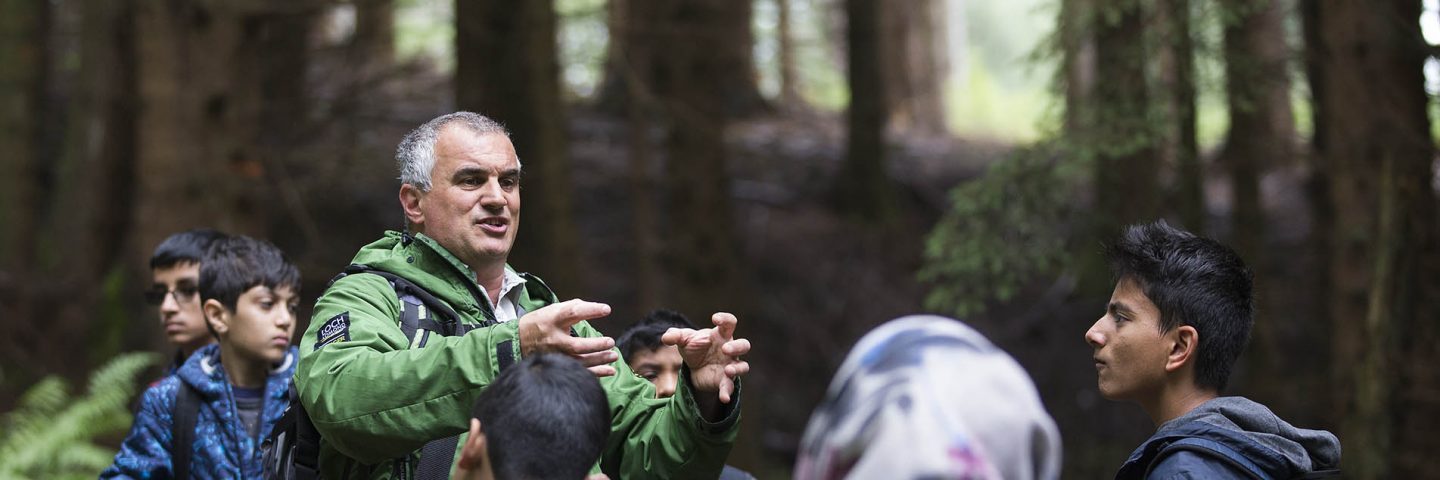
[{"x": 492, "y": 194}]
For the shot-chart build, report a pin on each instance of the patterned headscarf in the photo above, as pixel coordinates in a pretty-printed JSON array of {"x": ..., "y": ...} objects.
[{"x": 929, "y": 397}]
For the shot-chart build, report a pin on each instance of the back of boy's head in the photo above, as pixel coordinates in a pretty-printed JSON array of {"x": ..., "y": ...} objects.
[
  {"x": 1193, "y": 281},
  {"x": 545, "y": 417},
  {"x": 184, "y": 247},
  {"x": 234, "y": 265},
  {"x": 645, "y": 334}
]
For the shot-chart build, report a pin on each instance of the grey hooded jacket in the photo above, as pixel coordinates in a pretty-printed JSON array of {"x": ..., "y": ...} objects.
[{"x": 1268, "y": 446}]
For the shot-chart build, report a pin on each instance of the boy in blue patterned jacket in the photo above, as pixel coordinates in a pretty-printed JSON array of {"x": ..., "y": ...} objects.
[{"x": 249, "y": 292}]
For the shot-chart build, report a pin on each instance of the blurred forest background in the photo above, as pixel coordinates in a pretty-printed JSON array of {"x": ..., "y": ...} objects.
[{"x": 816, "y": 166}]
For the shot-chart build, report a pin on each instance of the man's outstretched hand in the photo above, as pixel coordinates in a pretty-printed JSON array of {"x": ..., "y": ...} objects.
[
  {"x": 548, "y": 330},
  {"x": 713, "y": 355}
]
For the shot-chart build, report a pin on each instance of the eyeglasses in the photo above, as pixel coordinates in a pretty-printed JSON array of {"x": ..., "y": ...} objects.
[{"x": 184, "y": 294}]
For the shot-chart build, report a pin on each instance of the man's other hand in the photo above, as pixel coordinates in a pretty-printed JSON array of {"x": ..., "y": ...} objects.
[{"x": 713, "y": 355}]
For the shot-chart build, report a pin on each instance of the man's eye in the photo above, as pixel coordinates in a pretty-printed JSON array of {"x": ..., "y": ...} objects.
[{"x": 509, "y": 182}]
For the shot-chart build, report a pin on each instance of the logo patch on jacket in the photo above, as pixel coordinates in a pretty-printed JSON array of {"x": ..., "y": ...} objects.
[{"x": 335, "y": 329}]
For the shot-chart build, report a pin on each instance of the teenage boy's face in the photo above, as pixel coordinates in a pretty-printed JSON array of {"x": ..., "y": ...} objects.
[
  {"x": 1130, "y": 348},
  {"x": 180, "y": 313},
  {"x": 261, "y": 325},
  {"x": 661, "y": 367}
]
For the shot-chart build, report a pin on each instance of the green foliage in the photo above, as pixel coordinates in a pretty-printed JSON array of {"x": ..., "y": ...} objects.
[
  {"x": 51, "y": 434},
  {"x": 1003, "y": 230}
]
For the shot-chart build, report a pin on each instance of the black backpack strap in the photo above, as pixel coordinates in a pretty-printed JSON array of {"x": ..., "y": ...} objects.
[
  {"x": 1211, "y": 449},
  {"x": 292, "y": 450},
  {"x": 419, "y": 309},
  {"x": 187, "y": 408},
  {"x": 436, "y": 458},
  {"x": 307, "y": 441}
]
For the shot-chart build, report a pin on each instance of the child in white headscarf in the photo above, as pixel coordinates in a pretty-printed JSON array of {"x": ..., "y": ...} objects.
[{"x": 929, "y": 397}]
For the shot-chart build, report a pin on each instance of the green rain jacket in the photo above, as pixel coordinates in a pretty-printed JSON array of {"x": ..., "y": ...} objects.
[{"x": 376, "y": 402}]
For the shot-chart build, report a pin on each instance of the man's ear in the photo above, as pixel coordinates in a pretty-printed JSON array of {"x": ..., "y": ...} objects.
[
  {"x": 473, "y": 455},
  {"x": 1185, "y": 342},
  {"x": 217, "y": 316},
  {"x": 410, "y": 198}
]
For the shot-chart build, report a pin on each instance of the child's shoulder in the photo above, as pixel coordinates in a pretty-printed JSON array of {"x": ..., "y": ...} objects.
[{"x": 161, "y": 393}]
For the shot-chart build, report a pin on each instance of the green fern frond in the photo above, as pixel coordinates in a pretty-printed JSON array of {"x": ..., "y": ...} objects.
[{"x": 51, "y": 435}]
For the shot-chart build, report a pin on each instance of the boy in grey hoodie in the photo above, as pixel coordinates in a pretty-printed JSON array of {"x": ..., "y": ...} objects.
[{"x": 1177, "y": 321}]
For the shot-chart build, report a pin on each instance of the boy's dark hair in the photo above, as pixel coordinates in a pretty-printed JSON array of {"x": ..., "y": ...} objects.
[
  {"x": 236, "y": 264},
  {"x": 544, "y": 417},
  {"x": 645, "y": 334},
  {"x": 184, "y": 247},
  {"x": 1193, "y": 281}
]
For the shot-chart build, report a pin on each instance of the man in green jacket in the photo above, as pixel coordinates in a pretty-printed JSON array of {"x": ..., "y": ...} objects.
[{"x": 377, "y": 397}]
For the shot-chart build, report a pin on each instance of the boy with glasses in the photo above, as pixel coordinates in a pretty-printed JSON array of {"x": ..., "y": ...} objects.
[{"x": 175, "y": 290}]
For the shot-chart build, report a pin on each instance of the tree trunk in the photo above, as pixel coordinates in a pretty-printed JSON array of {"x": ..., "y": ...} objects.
[
  {"x": 736, "y": 85},
  {"x": 1262, "y": 134},
  {"x": 1122, "y": 137},
  {"x": 1262, "y": 125},
  {"x": 789, "y": 79},
  {"x": 645, "y": 224},
  {"x": 25, "y": 31},
  {"x": 1078, "y": 64},
  {"x": 864, "y": 187},
  {"x": 1377, "y": 154},
  {"x": 222, "y": 105},
  {"x": 375, "y": 33},
  {"x": 914, "y": 64},
  {"x": 98, "y": 184},
  {"x": 507, "y": 69},
  {"x": 685, "y": 75},
  {"x": 1189, "y": 175}
]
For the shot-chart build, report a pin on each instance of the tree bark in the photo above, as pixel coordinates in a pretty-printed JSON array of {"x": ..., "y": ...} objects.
[
  {"x": 25, "y": 31},
  {"x": 1121, "y": 135},
  {"x": 222, "y": 100},
  {"x": 375, "y": 33},
  {"x": 789, "y": 79},
  {"x": 1262, "y": 134},
  {"x": 864, "y": 189},
  {"x": 736, "y": 84},
  {"x": 1077, "y": 63},
  {"x": 1377, "y": 156},
  {"x": 1190, "y": 175},
  {"x": 507, "y": 68},
  {"x": 914, "y": 64},
  {"x": 685, "y": 75},
  {"x": 1262, "y": 124}
]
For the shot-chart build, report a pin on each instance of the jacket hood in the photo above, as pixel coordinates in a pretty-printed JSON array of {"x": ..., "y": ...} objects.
[
  {"x": 1253, "y": 430},
  {"x": 204, "y": 372}
]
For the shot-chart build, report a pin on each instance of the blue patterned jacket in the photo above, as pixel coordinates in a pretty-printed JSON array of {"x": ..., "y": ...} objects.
[{"x": 222, "y": 447}]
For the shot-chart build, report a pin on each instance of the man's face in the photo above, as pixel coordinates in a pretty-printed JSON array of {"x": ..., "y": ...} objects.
[
  {"x": 180, "y": 313},
  {"x": 1130, "y": 349},
  {"x": 260, "y": 327},
  {"x": 473, "y": 206},
  {"x": 661, "y": 367}
]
